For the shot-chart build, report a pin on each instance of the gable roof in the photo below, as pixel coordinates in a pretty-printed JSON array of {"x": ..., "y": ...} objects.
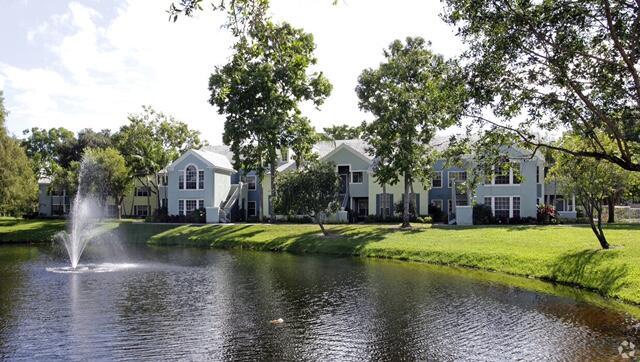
[{"x": 212, "y": 159}]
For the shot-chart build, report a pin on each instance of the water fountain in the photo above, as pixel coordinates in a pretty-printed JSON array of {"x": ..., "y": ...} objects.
[{"x": 84, "y": 216}]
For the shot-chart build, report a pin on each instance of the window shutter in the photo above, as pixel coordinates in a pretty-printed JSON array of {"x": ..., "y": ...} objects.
[{"x": 378, "y": 205}]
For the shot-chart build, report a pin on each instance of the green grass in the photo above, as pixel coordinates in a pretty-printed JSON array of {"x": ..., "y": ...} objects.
[
  {"x": 23, "y": 231},
  {"x": 566, "y": 254}
]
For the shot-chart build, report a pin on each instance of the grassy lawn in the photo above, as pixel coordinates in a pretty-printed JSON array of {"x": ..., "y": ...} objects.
[{"x": 567, "y": 254}]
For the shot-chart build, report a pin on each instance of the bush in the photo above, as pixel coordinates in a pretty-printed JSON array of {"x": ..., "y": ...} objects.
[
  {"x": 196, "y": 217},
  {"x": 482, "y": 215},
  {"x": 546, "y": 215},
  {"x": 425, "y": 219}
]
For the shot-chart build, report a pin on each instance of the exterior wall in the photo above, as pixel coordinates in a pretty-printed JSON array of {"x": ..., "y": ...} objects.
[
  {"x": 221, "y": 187},
  {"x": 175, "y": 194},
  {"x": 44, "y": 200},
  {"x": 527, "y": 190},
  {"x": 131, "y": 199},
  {"x": 443, "y": 193},
  {"x": 345, "y": 156},
  {"x": 397, "y": 191},
  {"x": 248, "y": 195}
]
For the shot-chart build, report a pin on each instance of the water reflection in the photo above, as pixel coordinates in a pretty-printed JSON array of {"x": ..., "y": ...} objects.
[{"x": 199, "y": 304}]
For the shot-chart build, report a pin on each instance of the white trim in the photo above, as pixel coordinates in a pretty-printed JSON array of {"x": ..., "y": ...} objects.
[
  {"x": 184, "y": 178},
  {"x": 449, "y": 185},
  {"x": 441, "y": 180},
  {"x": 511, "y": 183},
  {"x": 351, "y": 149},
  {"x": 255, "y": 182},
  {"x": 510, "y": 197}
]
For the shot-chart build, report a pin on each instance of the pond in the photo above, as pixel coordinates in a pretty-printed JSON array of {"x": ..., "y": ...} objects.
[{"x": 141, "y": 302}]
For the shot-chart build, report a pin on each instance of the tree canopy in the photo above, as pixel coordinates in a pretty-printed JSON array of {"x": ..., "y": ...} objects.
[
  {"x": 104, "y": 173},
  {"x": 259, "y": 92},
  {"x": 311, "y": 190},
  {"x": 590, "y": 180},
  {"x": 18, "y": 185},
  {"x": 412, "y": 94},
  {"x": 555, "y": 65},
  {"x": 150, "y": 141},
  {"x": 342, "y": 132}
]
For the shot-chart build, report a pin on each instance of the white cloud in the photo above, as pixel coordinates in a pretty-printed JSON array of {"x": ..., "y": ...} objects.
[{"x": 100, "y": 73}]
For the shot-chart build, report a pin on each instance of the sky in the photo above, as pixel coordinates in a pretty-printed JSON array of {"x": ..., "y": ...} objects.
[{"x": 90, "y": 63}]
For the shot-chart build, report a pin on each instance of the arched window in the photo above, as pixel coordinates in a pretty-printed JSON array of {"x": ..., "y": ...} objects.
[{"x": 191, "y": 177}]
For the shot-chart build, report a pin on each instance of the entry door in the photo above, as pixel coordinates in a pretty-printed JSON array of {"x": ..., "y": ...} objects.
[{"x": 363, "y": 207}]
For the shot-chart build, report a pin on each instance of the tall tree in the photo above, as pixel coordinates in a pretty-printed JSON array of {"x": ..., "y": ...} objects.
[
  {"x": 412, "y": 94},
  {"x": 242, "y": 15},
  {"x": 554, "y": 65},
  {"x": 311, "y": 190},
  {"x": 103, "y": 174},
  {"x": 18, "y": 186},
  {"x": 45, "y": 148},
  {"x": 259, "y": 92},
  {"x": 591, "y": 181},
  {"x": 343, "y": 132},
  {"x": 150, "y": 141}
]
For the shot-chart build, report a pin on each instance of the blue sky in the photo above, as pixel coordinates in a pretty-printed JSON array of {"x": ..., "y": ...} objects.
[{"x": 89, "y": 63}]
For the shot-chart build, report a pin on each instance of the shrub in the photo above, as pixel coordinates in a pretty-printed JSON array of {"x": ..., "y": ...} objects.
[
  {"x": 482, "y": 215},
  {"x": 425, "y": 219},
  {"x": 546, "y": 214}
]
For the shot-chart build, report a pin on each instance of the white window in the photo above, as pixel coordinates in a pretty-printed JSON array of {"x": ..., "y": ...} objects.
[
  {"x": 506, "y": 175},
  {"x": 190, "y": 206},
  {"x": 501, "y": 207},
  {"x": 516, "y": 206},
  {"x": 437, "y": 203},
  {"x": 200, "y": 204},
  {"x": 141, "y": 210},
  {"x": 180, "y": 207},
  {"x": 356, "y": 177},
  {"x": 436, "y": 181},
  {"x": 251, "y": 208},
  {"x": 181, "y": 181},
  {"x": 190, "y": 175},
  {"x": 457, "y": 176},
  {"x": 201, "y": 179},
  {"x": 385, "y": 204},
  {"x": 251, "y": 183},
  {"x": 142, "y": 191}
]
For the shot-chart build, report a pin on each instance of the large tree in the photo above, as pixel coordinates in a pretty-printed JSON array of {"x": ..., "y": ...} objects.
[
  {"x": 412, "y": 94},
  {"x": 554, "y": 65},
  {"x": 342, "y": 132},
  {"x": 260, "y": 90},
  {"x": 591, "y": 181},
  {"x": 103, "y": 174},
  {"x": 45, "y": 148},
  {"x": 18, "y": 186},
  {"x": 311, "y": 190},
  {"x": 150, "y": 141}
]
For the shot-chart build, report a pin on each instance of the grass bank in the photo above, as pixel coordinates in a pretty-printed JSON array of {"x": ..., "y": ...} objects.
[{"x": 566, "y": 254}]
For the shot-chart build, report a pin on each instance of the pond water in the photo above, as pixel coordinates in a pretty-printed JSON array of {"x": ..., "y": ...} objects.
[{"x": 161, "y": 303}]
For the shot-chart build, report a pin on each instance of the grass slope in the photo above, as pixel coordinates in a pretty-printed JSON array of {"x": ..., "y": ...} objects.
[{"x": 567, "y": 254}]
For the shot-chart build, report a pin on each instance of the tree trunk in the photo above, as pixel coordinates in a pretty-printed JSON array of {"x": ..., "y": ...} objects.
[
  {"x": 272, "y": 216},
  {"x": 319, "y": 221},
  {"x": 596, "y": 228},
  {"x": 407, "y": 191},
  {"x": 612, "y": 209}
]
